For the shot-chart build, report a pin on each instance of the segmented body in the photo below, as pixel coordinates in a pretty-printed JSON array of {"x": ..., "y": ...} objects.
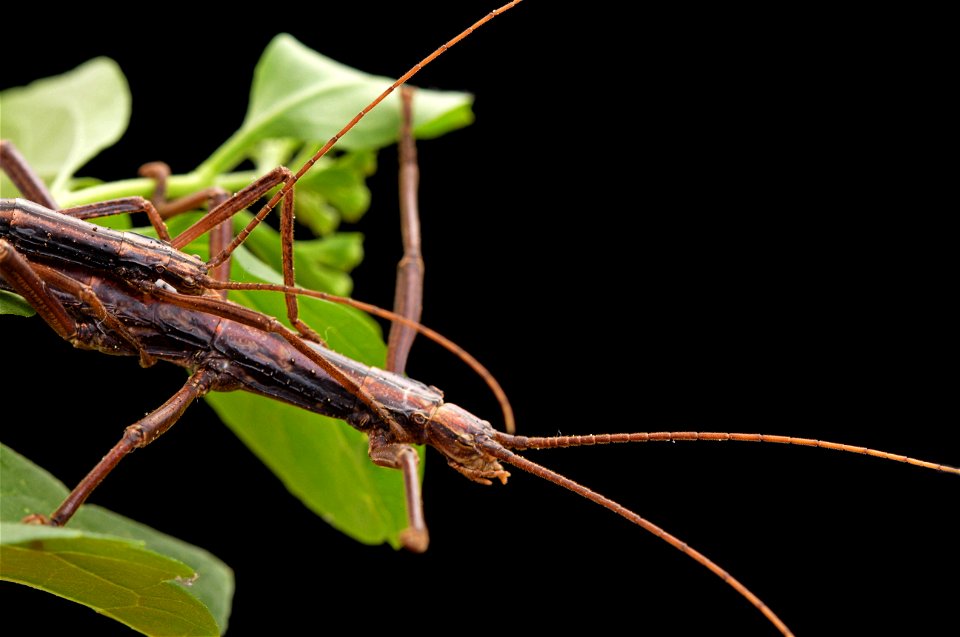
[
  {"x": 50, "y": 237},
  {"x": 244, "y": 357}
]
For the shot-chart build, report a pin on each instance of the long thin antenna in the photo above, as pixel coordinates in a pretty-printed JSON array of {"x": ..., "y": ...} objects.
[
  {"x": 288, "y": 186},
  {"x": 500, "y": 452},
  {"x": 553, "y": 442}
]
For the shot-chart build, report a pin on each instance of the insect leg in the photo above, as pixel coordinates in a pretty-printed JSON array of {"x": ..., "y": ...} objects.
[
  {"x": 127, "y": 205},
  {"x": 211, "y": 198},
  {"x": 23, "y": 176},
  {"x": 33, "y": 282},
  {"x": 407, "y": 303},
  {"x": 137, "y": 435},
  {"x": 238, "y": 202},
  {"x": 404, "y": 457},
  {"x": 159, "y": 172},
  {"x": 408, "y": 297},
  {"x": 30, "y": 185},
  {"x": 24, "y": 280},
  {"x": 220, "y": 238}
]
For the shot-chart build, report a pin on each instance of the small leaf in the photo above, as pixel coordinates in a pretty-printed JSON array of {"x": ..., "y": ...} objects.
[
  {"x": 315, "y": 212},
  {"x": 343, "y": 250},
  {"x": 118, "y": 567},
  {"x": 83, "y": 111},
  {"x": 11, "y": 303},
  {"x": 343, "y": 183},
  {"x": 321, "y": 264}
]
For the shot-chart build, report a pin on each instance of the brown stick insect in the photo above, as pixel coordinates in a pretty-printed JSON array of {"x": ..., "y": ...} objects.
[{"x": 692, "y": 359}]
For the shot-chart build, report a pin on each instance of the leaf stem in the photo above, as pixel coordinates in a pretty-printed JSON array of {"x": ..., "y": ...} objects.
[
  {"x": 178, "y": 186},
  {"x": 228, "y": 155}
]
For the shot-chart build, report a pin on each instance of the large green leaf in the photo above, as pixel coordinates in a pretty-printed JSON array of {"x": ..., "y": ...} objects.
[
  {"x": 323, "y": 462},
  {"x": 302, "y": 94},
  {"x": 83, "y": 112},
  {"x": 298, "y": 92},
  {"x": 149, "y": 581}
]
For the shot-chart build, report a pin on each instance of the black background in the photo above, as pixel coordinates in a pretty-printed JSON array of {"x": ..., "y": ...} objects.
[{"x": 684, "y": 220}]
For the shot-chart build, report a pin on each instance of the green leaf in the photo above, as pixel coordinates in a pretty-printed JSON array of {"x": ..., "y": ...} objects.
[
  {"x": 299, "y": 93},
  {"x": 11, "y": 303},
  {"x": 345, "y": 329},
  {"x": 342, "y": 184},
  {"x": 83, "y": 112},
  {"x": 349, "y": 331},
  {"x": 343, "y": 251},
  {"x": 321, "y": 264},
  {"x": 323, "y": 462},
  {"x": 304, "y": 95},
  {"x": 109, "y": 563}
]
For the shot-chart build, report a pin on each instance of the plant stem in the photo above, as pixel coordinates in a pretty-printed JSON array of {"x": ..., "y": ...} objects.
[
  {"x": 228, "y": 155},
  {"x": 177, "y": 186}
]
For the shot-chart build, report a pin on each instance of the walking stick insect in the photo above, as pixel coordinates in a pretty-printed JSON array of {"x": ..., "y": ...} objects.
[{"x": 580, "y": 332}]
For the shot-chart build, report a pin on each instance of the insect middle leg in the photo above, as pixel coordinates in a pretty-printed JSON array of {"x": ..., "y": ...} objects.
[
  {"x": 34, "y": 282},
  {"x": 408, "y": 304}
]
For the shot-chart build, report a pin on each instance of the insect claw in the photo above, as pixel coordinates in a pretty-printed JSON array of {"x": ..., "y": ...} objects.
[
  {"x": 415, "y": 540},
  {"x": 187, "y": 581},
  {"x": 37, "y": 519}
]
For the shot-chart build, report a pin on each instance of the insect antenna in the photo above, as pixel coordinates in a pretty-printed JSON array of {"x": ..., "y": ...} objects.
[
  {"x": 501, "y": 452},
  {"x": 290, "y": 182},
  {"x": 500, "y": 446},
  {"x": 554, "y": 442},
  {"x": 286, "y": 191}
]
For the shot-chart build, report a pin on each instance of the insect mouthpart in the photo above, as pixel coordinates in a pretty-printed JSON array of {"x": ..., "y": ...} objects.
[{"x": 454, "y": 432}]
